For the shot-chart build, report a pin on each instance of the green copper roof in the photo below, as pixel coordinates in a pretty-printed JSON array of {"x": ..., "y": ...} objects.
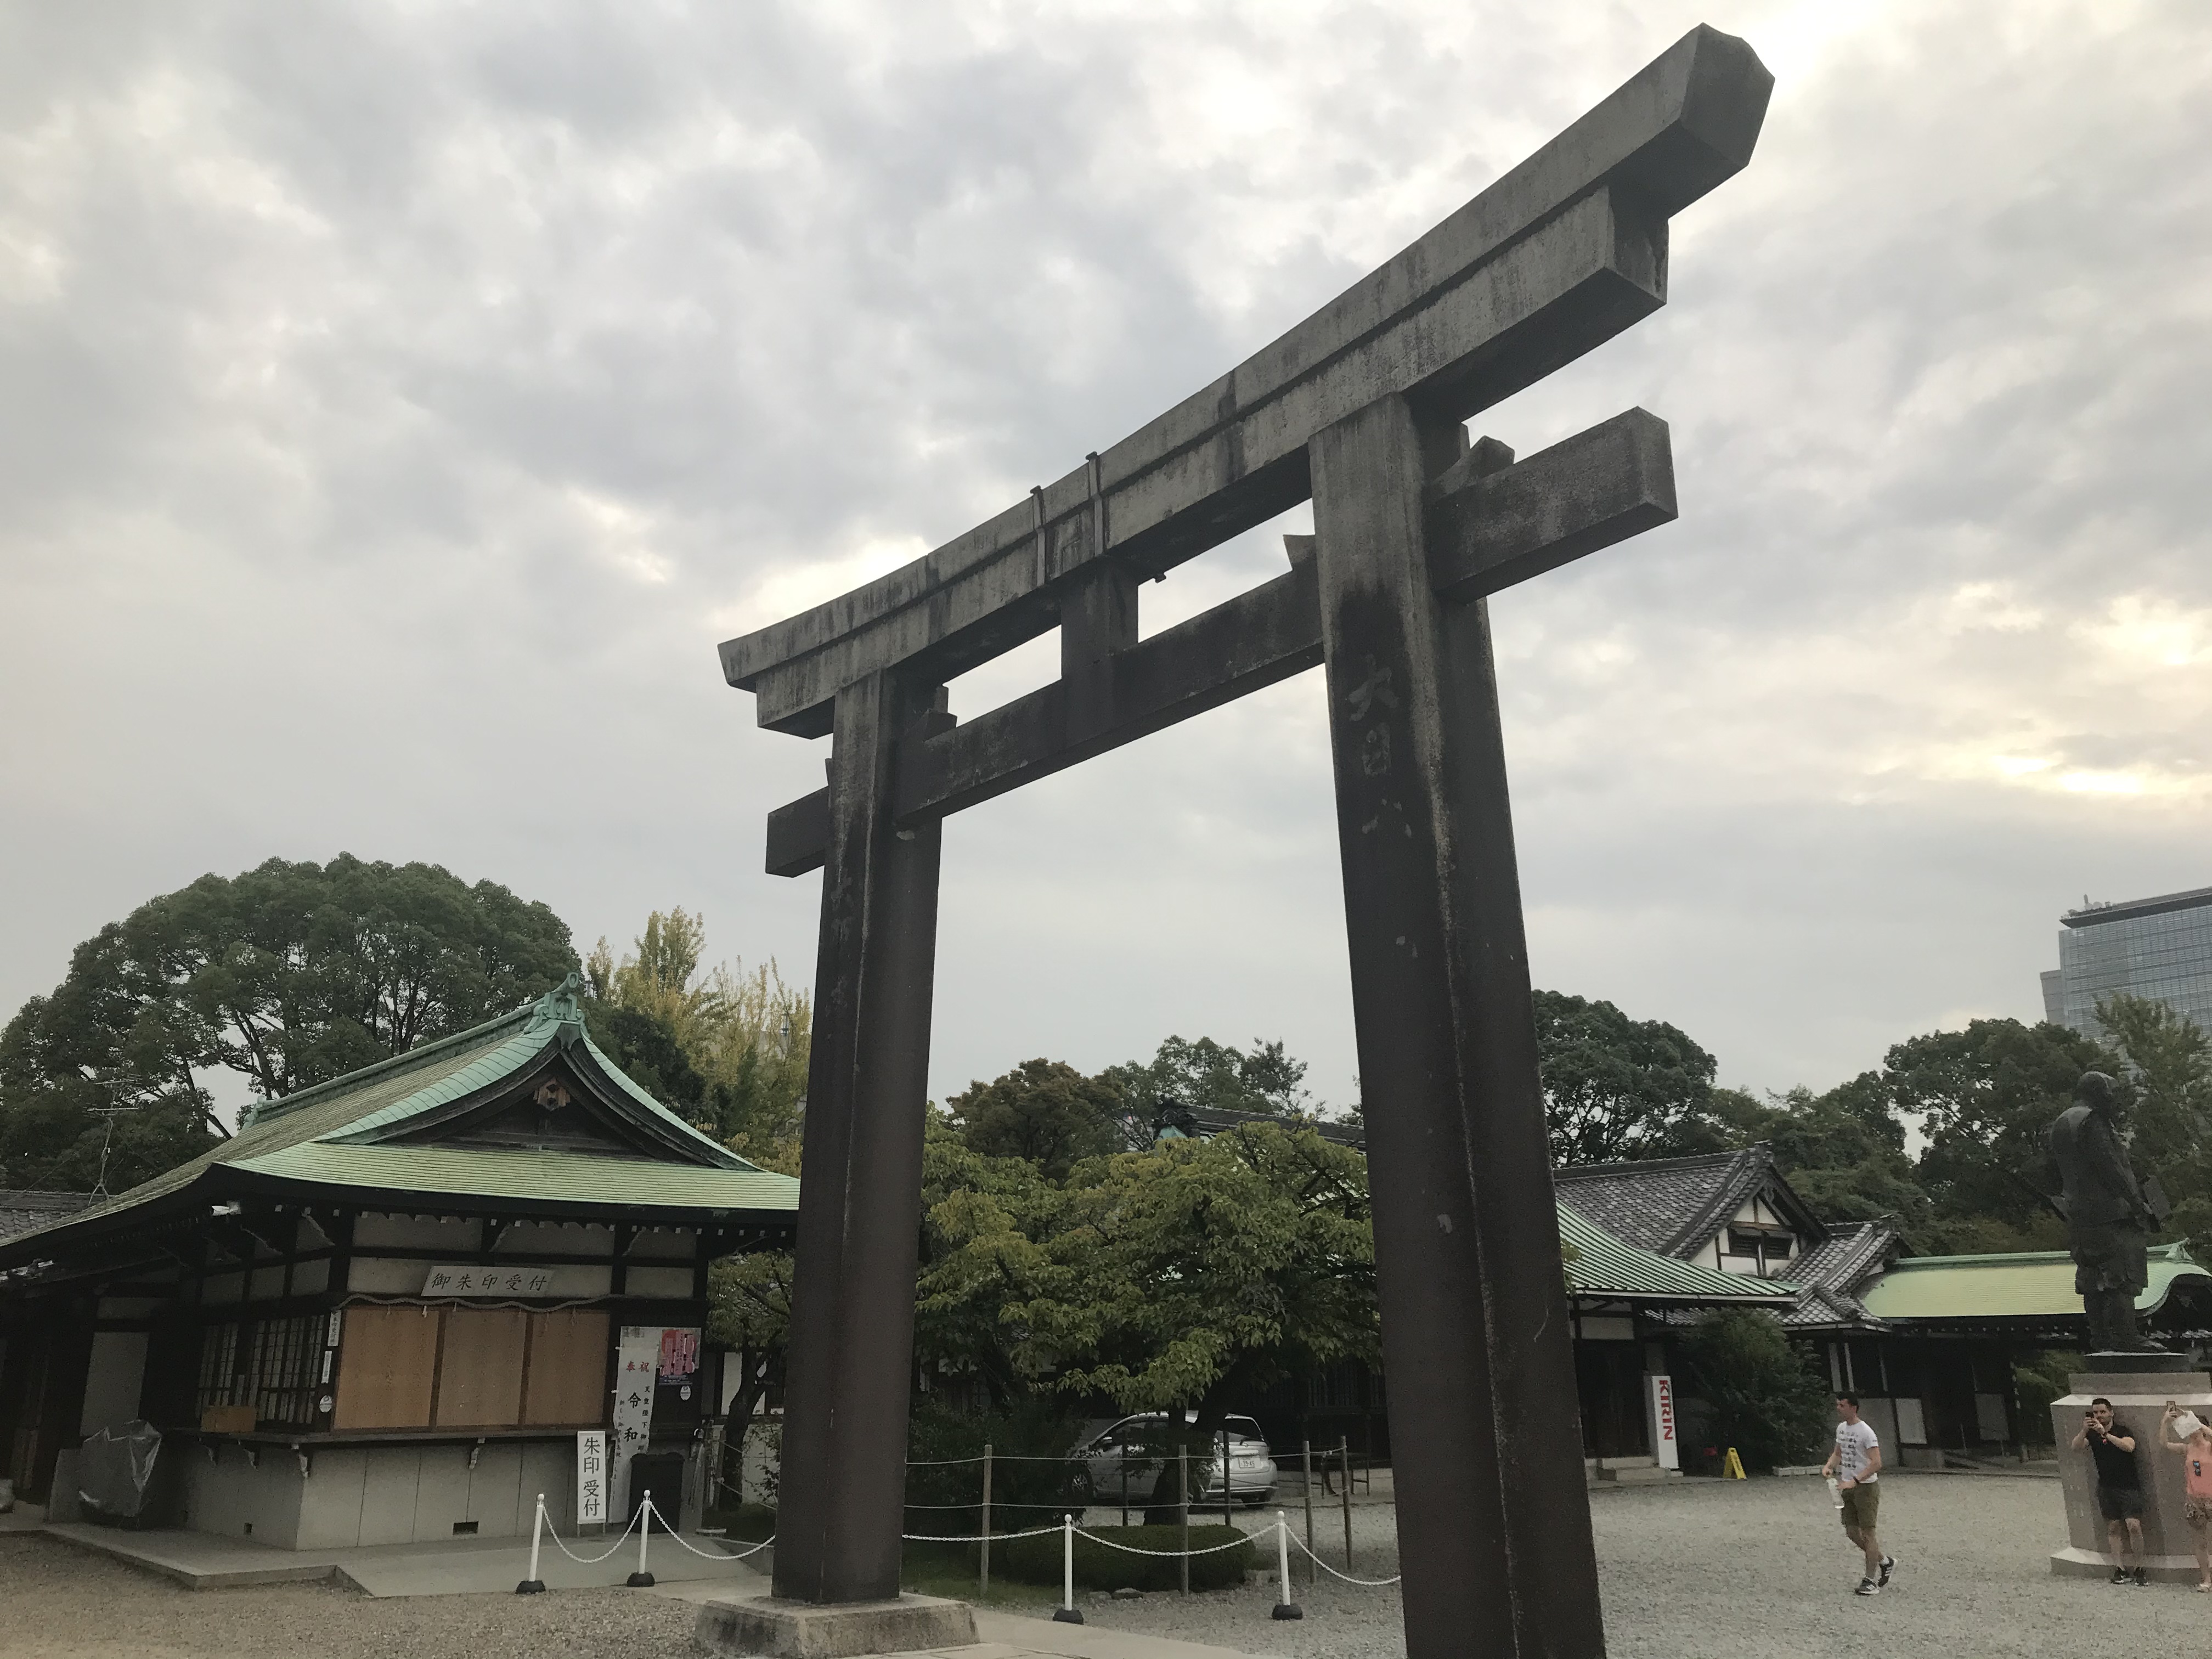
[
  {"x": 340, "y": 1133},
  {"x": 2027, "y": 1284},
  {"x": 556, "y": 1177},
  {"x": 1604, "y": 1265}
]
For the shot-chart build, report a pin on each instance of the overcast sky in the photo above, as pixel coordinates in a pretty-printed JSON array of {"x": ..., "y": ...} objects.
[{"x": 397, "y": 404}]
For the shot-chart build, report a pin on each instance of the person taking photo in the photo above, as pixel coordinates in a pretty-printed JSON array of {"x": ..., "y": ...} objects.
[{"x": 2119, "y": 1487}]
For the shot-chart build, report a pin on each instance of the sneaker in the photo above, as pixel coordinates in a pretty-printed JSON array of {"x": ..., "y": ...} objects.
[
  {"x": 1888, "y": 1566},
  {"x": 1868, "y": 1587},
  {"x": 2142, "y": 1577},
  {"x": 2119, "y": 1575}
]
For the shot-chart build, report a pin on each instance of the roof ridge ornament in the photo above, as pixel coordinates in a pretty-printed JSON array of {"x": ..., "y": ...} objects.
[{"x": 561, "y": 1008}]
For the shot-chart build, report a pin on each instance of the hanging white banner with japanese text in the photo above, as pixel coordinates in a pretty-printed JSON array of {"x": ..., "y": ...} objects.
[{"x": 637, "y": 1365}]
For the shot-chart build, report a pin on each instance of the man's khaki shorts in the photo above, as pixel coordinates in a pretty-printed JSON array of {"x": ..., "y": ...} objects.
[{"x": 1859, "y": 1506}]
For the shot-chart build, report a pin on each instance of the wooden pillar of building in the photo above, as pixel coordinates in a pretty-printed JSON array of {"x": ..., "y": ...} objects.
[
  {"x": 852, "y": 1326},
  {"x": 1493, "y": 1519}
]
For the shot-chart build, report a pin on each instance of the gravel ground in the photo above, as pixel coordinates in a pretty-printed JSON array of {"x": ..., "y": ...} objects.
[
  {"x": 1700, "y": 1571},
  {"x": 57, "y": 1602},
  {"x": 1755, "y": 1571}
]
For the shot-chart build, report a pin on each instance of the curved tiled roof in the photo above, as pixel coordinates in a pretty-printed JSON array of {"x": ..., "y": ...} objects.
[
  {"x": 339, "y": 1134},
  {"x": 1670, "y": 1204}
]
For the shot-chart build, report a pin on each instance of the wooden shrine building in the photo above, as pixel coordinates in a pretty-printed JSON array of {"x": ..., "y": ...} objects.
[{"x": 381, "y": 1312}]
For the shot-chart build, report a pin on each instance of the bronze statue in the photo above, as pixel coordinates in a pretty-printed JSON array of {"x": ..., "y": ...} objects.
[{"x": 2108, "y": 1218}]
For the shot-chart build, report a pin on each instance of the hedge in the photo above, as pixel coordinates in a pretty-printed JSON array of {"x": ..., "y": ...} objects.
[{"x": 1037, "y": 1560}]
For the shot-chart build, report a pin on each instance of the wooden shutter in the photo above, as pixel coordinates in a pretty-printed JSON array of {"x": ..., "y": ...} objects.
[
  {"x": 387, "y": 1366},
  {"x": 567, "y": 1386},
  {"x": 480, "y": 1371}
]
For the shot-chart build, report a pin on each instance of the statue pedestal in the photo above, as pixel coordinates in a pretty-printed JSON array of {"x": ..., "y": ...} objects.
[{"x": 2138, "y": 1393}]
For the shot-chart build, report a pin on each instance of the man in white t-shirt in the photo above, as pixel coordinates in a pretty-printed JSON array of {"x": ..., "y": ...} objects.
[{"x": 1857, "y": 1465}]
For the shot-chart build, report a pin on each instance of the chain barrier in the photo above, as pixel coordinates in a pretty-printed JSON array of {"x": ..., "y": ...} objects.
[
  {"x": 994, "y": 1537},
  {"x": 1371, "y": 1584},
  {"x": 586, "y": 1560}
]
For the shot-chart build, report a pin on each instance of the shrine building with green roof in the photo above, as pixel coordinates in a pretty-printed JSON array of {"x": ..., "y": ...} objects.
[{"x": 383, "y": 1311}]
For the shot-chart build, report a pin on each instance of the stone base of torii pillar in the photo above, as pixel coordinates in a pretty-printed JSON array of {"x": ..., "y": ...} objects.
[
  {"x": 2138, "y": 1385},
  {"x": 803, "y": 1630}
]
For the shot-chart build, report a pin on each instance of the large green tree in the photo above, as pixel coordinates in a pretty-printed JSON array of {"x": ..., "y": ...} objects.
[
  {"x": 1620, "y": 1088},
  {"x": 1044, "y": 1110},
  {"x": 1984, "y": 1098},
  {"x": 1210, "y": 1075},
  {"x": 727, "y": 1048},
  {"x": 2169, "y": 1073},
  {"x": 280, "y": 978}
]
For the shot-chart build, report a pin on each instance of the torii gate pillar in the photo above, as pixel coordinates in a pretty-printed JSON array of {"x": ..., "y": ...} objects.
[{"x": 1467, "y": 1242}]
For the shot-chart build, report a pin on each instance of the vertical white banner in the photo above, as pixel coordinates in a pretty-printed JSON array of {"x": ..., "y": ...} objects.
[
  {"x": 590, "y": 1477},
  {"x": 637, "y": 1365},
  {"x": 1659, "y": 1404}
]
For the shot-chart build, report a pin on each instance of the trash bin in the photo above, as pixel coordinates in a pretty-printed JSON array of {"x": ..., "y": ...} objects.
[{"x": 660, "y": 1473}]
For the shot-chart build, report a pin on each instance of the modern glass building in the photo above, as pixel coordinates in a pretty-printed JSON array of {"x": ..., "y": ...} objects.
[{"x": 2156, "y": 948}]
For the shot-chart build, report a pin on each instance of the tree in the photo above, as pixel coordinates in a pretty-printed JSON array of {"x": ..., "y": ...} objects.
[
  {"x": 728, "y": 1049},
  {"x": 2169, "y": 1071},
  {"x": 1767, "y": 1401},
  {"x": 1213, "y": 1076},
  {"x": 749, "y": 1313},
  {"x": 286, "y": 975},
  {"x": 1044, "y": 1110},
  {"x": 1622, "y": 1088},
  {"x": 1984, "y": 1098},
  {"x": 1189, "y": 1275}
]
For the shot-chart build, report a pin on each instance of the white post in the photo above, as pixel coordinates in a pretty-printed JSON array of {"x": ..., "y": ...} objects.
[
  {"x": 532, "y": 1585},
  {"x": 1285, "y": 1608},
  {"x": 641, "y": 1579},
  {"x": 1066, "y": 1613}
]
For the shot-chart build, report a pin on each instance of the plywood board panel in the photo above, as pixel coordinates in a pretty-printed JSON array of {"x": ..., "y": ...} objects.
[
  {"x": 480, "y": 1370},
  {"x": 387, "y": 1368},
  {"x": 567, "y": 1369}
]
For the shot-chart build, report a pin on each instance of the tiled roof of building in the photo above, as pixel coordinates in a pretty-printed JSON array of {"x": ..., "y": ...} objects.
[
  {"x": 1833, "y": 1273},
  {"x": 1670, "y": 1204},
  {"x": 357, "y": 1130},
  {"x": 22, "y": 1209}
]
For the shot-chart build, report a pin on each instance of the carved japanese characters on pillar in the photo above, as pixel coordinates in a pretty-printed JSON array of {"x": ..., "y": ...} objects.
[{"x": 1360, "y": 408}]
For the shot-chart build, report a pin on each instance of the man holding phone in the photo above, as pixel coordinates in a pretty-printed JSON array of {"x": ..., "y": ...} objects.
[{"x": 2119, "y": 1487}]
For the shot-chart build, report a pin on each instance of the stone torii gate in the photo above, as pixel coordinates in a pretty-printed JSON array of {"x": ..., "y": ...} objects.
[{"x": 1359, "y": 407}]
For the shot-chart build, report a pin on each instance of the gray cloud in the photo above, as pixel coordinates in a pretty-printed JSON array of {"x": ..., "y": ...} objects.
[{"x": 397, "y": 405}]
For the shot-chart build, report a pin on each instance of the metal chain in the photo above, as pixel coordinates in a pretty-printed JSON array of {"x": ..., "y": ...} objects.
[{"x": 1371, "y": 1584}]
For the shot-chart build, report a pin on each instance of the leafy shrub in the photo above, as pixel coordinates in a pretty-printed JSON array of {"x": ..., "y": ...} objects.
[
  {"x": 1038, "y": 1560},
  {"x": 2039, "y": 1384},
  {"x": 1767, "y": 1401},
  {"x": 1031, "y": 1479}
]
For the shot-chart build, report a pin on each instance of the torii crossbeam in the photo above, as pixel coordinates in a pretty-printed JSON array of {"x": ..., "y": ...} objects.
[{"x": 1361, "y": 408}]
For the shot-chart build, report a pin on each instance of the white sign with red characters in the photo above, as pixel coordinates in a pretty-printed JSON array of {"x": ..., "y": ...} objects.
[{"x": 1659, "y": 1405}]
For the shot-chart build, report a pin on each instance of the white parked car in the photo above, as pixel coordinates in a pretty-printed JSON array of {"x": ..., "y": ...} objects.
[{"x": 1130, "y": 1449}]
